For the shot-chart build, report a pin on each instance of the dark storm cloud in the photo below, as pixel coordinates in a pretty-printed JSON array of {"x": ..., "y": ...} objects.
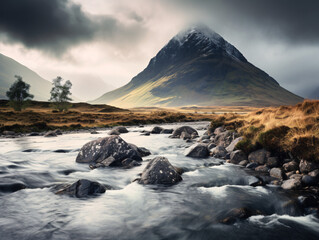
[
  {"x": 295, "y": 21},
  {"x": 54, "y": 25}
]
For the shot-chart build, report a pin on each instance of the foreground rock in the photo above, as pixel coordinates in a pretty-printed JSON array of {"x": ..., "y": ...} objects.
[
  {"x": 197, "y": 150},
  {"x": 189, "y": 130},
  {"x": 160, "y": 171},
  {"x": 108, "y": 151},
  {"x": 81, "y": 188},
  {"x": 306, "y": 166}
]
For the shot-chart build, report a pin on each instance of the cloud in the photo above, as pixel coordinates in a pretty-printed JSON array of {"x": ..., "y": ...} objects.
[
  {"x": 294, "y": 21},
  {"x": 54, "y": 26}
]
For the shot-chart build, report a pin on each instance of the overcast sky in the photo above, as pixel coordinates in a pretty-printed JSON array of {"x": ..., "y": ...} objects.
[{"x": 98, "y": 44}]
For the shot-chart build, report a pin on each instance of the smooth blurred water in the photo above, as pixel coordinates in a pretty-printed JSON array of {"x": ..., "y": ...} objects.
[{"x": 189, "y": 210}]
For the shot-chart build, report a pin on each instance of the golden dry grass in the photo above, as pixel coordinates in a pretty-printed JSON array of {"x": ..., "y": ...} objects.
[{"x": 292, "y": 129}]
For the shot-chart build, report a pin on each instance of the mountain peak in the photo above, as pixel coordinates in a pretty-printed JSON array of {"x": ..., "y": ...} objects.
[
  {"x": 202, "y": 31},
  {"x": 195, "y": 41}
]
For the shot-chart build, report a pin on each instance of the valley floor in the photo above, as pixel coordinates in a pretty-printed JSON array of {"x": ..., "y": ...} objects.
[{"x": 39, "y": 116}]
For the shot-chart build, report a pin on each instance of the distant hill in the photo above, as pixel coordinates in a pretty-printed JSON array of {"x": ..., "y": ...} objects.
[
  {"x": 40, "y": 87},
  {"x": 199, "y": 67}
]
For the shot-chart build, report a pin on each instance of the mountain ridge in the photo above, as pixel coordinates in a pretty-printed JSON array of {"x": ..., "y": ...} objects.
[{"x": 199, "y": 67}]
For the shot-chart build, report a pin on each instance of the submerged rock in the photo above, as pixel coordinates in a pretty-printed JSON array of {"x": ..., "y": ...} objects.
[
  {"x": 178, "y": 131},
  {"x": 108, "y": 151},
  {"x": 81, "y": 188},
  {"x": 238, "y": 214},
  {"x": 197, "y": 150},
  {"x": 157, "y": 130},
  {"x": 160, "y": 171},
  {"x": 167, "y": 131}
]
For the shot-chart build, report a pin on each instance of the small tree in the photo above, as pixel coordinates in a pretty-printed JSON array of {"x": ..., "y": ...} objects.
[
  {"x": 18, "y": 94},
  {"x": 60, "y": 94}
]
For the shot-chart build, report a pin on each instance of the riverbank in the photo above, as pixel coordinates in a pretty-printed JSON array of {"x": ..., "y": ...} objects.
[{"x": 279, "y": 143}]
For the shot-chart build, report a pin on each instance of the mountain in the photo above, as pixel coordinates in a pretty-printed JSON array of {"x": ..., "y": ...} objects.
[
  {"x": 199, "y": 67},
  {"x": 40, "y": 87}
]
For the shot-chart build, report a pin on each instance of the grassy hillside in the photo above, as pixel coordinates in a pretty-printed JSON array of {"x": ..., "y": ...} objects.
[
  {"x": 204, "y": 81},
  {"x": 40, "y": 87},
  {"x": 293, "y": 129}
]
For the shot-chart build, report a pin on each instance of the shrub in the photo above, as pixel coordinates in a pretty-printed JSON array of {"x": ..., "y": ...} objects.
[
  {"x": 246, "y": 146},
  {"x": 272, "y": 139}
]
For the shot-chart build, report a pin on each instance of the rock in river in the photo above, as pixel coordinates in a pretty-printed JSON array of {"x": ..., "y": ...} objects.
[
  {"x": 81, "y": 188},
  {"x": 178, "y": 132},
  {"x": 110, "y": 151},
  {"x": 157, "y": 130},
  {"x": 197, "y": 150},
  {"x": 237, "y": 156},
  {"x": 160, "y": 171},
  {"x": 259, "y": 156}
]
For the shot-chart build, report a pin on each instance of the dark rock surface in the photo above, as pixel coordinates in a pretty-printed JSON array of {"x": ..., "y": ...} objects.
[
  {"x": 110, "y": 151},
  {"x": 81, "y": 188},
  {"x": 160, "y": 171},
  {"x": 157, "y": 130},
  {"x": 259, "y": 156},
  {"x": 197, "y": 150},
  {"x": 237, "y": 156},
  {"x": 178, "y": 131}
]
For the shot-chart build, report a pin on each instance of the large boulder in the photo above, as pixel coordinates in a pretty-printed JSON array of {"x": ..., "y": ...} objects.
[
  {"x": 259, "y": 156},
  {"x": 197, "y": 150},
  {"x": 233, "y": 144},
  {"x": 237, "y": 156},
  {"x": 160, "y": 171},
  {"x": 110, "y": 151},
  {"x": 306, "y": 166},
  {"x": 178, "y": 131},
  {"x": 218, "y": 152},
  {"x": 81, "y": 188},
  {"x": 157, "y": 130}
]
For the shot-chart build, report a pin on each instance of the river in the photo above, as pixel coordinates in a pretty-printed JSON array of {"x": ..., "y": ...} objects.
[{"x": 191, "y": 209}]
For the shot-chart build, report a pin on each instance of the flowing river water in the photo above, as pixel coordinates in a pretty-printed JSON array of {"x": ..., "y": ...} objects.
[{"x": 191, "y": 209}]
